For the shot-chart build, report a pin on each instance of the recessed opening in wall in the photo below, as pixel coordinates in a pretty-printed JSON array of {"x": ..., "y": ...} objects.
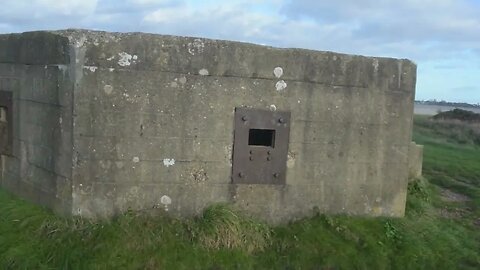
[
  {"x": 261, "y": 137},
  {"x": 6, "y": 138},
  {"x": 3, "y": 114},
  {"x": 3, "y": 130}
]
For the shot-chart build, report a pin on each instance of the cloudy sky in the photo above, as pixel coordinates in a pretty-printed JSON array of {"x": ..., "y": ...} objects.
[{"x": 441, "y": 36}]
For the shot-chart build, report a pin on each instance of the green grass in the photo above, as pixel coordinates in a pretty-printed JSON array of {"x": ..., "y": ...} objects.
[
  {"x": 448, "y": 161},
  {"x": 222, "y": 238}
]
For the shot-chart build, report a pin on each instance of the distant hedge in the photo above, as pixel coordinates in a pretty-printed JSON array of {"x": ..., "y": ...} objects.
[{"x": 458, "y": 114}]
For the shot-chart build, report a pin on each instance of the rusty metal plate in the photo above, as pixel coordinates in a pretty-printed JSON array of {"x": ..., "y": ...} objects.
[
  {"x": 6, "y": 138},
  {"x": 260, "y": 146}
]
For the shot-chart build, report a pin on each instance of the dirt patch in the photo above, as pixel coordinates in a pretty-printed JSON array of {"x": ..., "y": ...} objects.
[
  {"x": 447, "y": 195},
  {"x": 454, "y": 213},
  {"x": 476, "y": 222}
]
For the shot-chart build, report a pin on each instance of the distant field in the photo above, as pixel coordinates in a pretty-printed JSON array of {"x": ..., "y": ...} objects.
[
  {"x": 441, "y": 229},
  {"x": 422, "y": 109}
]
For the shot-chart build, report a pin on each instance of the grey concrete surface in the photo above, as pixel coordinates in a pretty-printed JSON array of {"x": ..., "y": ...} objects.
[
  {"x": 106, "y": 122},
  {"x": 415, "y": 160},
  {"x": 34, "y": 67}
]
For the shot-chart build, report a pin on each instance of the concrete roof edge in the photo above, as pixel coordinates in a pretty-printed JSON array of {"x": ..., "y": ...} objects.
[{"x": 73, "y": 34}]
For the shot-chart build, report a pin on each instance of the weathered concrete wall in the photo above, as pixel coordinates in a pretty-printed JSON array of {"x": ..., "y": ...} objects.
[
  {"x": 415, "y": 160},
  {"x": 33, "y": 66},
  {"x": 153, "y": 117},
  {"x": 105, "y": 122}
]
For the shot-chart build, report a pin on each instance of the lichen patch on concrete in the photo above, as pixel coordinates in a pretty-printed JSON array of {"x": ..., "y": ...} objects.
[
  {"x": 203, "y": 72},
  {"x": 281, "y": 85},
  {"x": 126, "y": 59},
  {"x": 91, "y": 68},
  {"x": 195, "y": 47},
  {"x": 108, "y": 89},
  {"x": 278, "y": 72},
  {"x": 167, "y": 162}
]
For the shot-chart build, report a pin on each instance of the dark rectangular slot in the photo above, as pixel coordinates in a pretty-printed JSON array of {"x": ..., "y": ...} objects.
[
  {"x": 261, "y": 137},
  {"x": 6, "y": 123},
  {"x": 4, "y": 132}
]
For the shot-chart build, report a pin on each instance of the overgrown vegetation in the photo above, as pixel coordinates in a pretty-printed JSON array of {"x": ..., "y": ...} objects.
[
  {"x": 221, "y": 227},
  {"x": 448, "y": 127},
  {"x": 458, "y": 114},
  {"x": 434, "y": 234}
]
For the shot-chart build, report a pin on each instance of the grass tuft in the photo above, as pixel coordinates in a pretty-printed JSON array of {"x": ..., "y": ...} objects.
[{"x": 222, "y": 227}]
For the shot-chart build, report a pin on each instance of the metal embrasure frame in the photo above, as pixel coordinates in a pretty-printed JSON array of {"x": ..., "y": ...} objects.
[{"x": 254, "y": 164}]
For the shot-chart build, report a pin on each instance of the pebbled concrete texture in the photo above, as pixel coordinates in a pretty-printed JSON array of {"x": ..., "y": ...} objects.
[{"x": 147, "y": 121}]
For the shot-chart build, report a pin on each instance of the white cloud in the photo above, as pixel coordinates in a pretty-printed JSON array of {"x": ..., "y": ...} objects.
[
  {"x": 149, "y": 2},
  {"x": 223, "y": 22},
  {"x": 44, "y": 14},
  {"x": 168, "y": 15},
  {"x": 430, "y": 32},
  {"x": 18, "y": 10},
  {"x": 429, "y": 24},
  {"x": 66, "y": 7}
]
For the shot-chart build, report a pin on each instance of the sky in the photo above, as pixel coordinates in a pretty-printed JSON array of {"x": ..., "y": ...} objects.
[{"x": 441, "y": 36}]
